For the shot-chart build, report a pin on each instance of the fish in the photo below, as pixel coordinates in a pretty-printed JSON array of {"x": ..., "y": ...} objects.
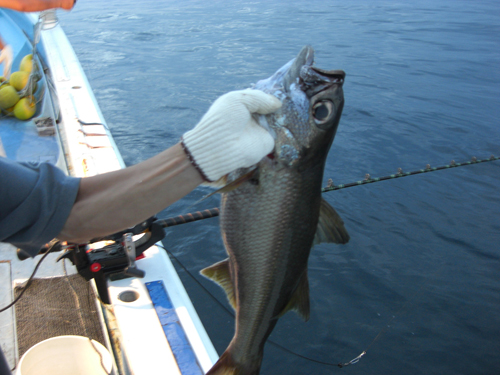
[{"x": 274, "y": 214}]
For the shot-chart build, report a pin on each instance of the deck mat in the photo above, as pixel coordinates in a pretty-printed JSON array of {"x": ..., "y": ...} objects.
[{"x": 56, "y": 306}]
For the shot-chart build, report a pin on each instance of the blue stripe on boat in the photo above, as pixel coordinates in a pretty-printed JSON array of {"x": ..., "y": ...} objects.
[{"x": 184, "y": 354}]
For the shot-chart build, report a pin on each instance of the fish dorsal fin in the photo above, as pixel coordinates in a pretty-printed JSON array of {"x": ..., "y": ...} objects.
[
  {"x": 330, "y": 226},
  {"x": 219, "y": 272},
  {"x": 300, "y": 299}
]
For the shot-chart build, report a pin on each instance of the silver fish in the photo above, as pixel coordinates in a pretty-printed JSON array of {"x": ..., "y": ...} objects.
[{"x": 275, "y": 212}]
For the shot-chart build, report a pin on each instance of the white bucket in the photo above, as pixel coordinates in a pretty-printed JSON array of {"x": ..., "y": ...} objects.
[{"x": 66, "y": 355}]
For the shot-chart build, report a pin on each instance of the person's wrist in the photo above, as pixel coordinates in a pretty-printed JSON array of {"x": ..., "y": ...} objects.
[
  {"x": 193, "y": 161},
  {"x": 227, "y": 137}
]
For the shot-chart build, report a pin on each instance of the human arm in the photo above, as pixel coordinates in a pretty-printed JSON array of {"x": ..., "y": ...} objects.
[
  {"x": 38, "y": 203},
  {"x": 113, "y": 201},
  {"x": 225, "y": 139},
  {"x": 36, "y": 5}
]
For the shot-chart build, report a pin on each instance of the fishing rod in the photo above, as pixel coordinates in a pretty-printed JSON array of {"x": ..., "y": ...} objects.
[
  {"x": 368, "y": 179},
  {"x": 213, "y": 212},
  {"x": 330, "y": 187},
  {"x": 153, "y": 229}
]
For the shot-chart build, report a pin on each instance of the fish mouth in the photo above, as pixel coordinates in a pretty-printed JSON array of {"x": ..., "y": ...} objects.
[
  {"x": 310, "y": 79},
  {"x": 300, "y": 75},
  {"x": 315, "y": 80},
  {"x": 299, "y": 81}
]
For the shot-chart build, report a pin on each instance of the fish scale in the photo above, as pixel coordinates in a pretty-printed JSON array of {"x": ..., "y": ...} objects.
[{"x": 253, "y": 226}]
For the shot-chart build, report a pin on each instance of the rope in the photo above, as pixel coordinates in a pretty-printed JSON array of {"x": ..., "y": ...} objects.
[{"x": 28, "y": 283}]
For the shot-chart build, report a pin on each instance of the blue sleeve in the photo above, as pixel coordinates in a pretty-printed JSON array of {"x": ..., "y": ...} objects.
[{"x": 35, "y": 201}]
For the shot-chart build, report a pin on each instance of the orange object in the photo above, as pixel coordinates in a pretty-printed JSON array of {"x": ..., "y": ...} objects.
[{"x": 36, "y": 5}]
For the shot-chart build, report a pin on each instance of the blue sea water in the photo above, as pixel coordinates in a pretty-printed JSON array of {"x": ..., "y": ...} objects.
[{"x": 418, "y": 285}]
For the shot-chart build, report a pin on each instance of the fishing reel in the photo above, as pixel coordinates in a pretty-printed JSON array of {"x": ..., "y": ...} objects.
[
  {"x": 110, "y": 256},
  {"x": 114, "y": 256}
]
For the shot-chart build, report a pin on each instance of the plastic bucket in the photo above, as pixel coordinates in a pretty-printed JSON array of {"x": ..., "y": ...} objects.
[{"x": 66, "y": 355}]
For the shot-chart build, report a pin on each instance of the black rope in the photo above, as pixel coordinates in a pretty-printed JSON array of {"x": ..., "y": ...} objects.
[{"x": 28, "y": 283}]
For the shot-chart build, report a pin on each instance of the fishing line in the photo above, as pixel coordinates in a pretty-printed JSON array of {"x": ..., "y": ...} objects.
[
  {"x": 353, "y": 361},
  {"x": 213, "y": 212},
  {"x": 196, "y": 280},
  {"x": 389, "y": 322},
  {"x": 232, "y": 314}
]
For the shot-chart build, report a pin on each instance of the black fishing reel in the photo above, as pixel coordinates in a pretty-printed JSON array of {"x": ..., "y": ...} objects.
[
  {"x": 116, "y": 259},
  {"x": 109, "y": 256},
  {"x": 115, "y": 255}
]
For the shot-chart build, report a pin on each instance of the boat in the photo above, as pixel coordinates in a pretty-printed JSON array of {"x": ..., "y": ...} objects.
[{"x": 149, "y": 325}]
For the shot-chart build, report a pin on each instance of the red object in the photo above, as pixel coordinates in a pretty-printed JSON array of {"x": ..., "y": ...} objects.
[
  {"x": 96, "y": 267},
  {"x": 142, "y": 256}
]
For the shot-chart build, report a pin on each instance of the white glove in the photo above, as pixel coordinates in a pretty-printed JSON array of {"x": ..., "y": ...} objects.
[
  {"x": 6, "y": 57},
  {"x": 228, "y": 137}
]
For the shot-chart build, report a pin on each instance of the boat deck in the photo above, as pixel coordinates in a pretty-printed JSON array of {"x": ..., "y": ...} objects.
[
  {"x": 15, "y": 272},
  {"x": 158, "y": 331}
]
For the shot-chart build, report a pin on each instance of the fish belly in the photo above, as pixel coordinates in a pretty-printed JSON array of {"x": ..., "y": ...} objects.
[{"x": 267, "y": 227}]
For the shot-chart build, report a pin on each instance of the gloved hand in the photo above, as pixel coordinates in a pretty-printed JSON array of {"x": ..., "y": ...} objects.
[
  {"x": 6, "y": 57},
  {"x": 228, "y": 137}
]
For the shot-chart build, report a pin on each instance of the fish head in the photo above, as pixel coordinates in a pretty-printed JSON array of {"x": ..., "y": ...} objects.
[{"x": 312, "y": 102}]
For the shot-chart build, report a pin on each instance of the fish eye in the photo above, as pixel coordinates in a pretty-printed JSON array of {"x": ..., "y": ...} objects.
[{"x": 322, "y": 111}]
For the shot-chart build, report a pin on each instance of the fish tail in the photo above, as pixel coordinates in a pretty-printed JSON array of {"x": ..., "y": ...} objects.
[{"x": 227, "y": 366}]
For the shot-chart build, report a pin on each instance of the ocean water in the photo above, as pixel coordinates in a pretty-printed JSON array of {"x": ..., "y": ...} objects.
[{"x": 418, "y": 285}]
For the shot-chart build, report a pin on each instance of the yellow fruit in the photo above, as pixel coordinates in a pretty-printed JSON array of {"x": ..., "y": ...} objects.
[
  {"x": 19, "y": 80},
  {"x": 8, "y": 96},
  {"x": 25, "y": 108},
  {"x": 27, "y": 63},
  {"x": 2, "y": 79}
]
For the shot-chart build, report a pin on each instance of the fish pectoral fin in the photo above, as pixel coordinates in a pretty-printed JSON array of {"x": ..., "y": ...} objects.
[
  {"x": 300, "y": 299},
  {"x": 233, "y": 185},
  {"x": 221, "y": 182},
  {"x": 226, "y": 187},
  {"x": 219, "y": 272},
  {"x": 330, "y": 226}
]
